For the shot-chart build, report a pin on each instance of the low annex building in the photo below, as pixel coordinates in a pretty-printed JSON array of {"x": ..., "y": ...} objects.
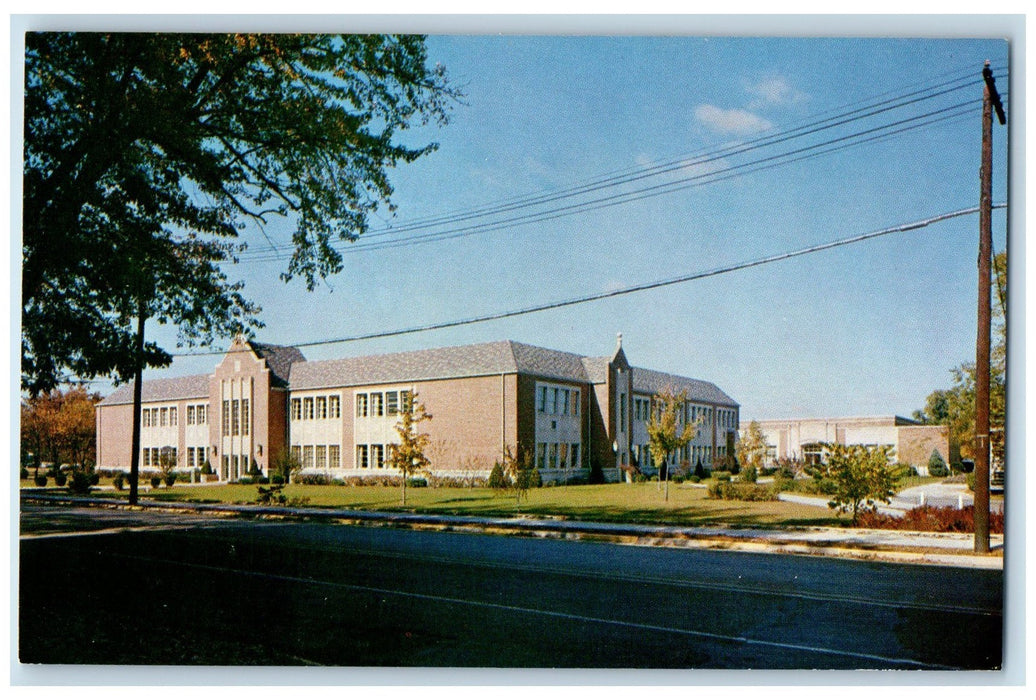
[
  {"x": 338, "y": 417},
  {"x": 804, "y": 438}
]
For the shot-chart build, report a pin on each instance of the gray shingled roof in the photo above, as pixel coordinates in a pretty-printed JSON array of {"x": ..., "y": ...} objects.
[
  {"x": 279, "y": 359},
  {"x": 649, "y": 381},
  {"x": 289, "y": 367},
  {"x": 501, "y": 357},
  {"x": 193, "y": 387}
]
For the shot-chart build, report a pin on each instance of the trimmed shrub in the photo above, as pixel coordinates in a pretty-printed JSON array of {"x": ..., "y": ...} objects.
[
  {"x": 496, "y": 477},
  {"x": 741, "y": 491},
  {"x": 694, "y": 479},
  {"x": 313, "y": 479},
  {"x": 156, "y": 481},
  {"x": 40, "y": 480},
  {"x": 535, "y": 480},
  {"x": 721, "y": 476},
  {"x": 60, "y": 479},
  {"x": 95, "y": 478},
  {"x": 417, "y": 482},
  {"x": 937, "y": 465},
  {"x": 278, "y": 479},
  {"x": 930, "y": 519},
  {"x": 119, "y": 481},
  {"x": 81, "y": 482},
  {"x": 749, "y": 475},
  {"x": 169, "y": 478},
  {"x": 24, "y": 473},
  {"x": 677, "y": 478}
]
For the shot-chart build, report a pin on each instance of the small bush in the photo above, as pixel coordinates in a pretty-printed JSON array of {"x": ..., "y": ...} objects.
[
  {"x": 40, "y": 480},
  {"x": 278, "y": 479},
  {"x": 741, "y": 491},
  {"x": 417, "y": 482},
  {"x": 930, "y": 519},
  {"x": 24, "y": 473},
  {"x": 60, "y": 479},
  {"x": 677, "y": 478},
  {"x": 721, "y": 476},
  {"x": 169, "y": 478},
  {"x": 81, "y": 482},
  {"x": 970, "y": 480},
  {"x": 496, "y": 477},
  {"x": 749, "y": 475},
  {"x": 156, "y": 481},
  {"x": 640, "y": 478},
  {"x": 119, "y": 481},
  {"x": 313, "y": 479},
  {"x": 535, "y": 479},
  {"x": 937, "y": 465},
  {"x": 334, "y": 482},
  {"x": 95, "y": 478},
  {"x": 694, "y": 479}
]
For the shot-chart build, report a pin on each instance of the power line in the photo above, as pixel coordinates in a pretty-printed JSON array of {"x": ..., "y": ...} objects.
[
  {"x": 665, "y": 188},
  {"x": 627, "y": 175},
  {"x": 636, "y": 288}
]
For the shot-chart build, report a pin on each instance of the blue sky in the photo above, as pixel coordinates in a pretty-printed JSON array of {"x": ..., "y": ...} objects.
[{"x": 870, "y": 328}]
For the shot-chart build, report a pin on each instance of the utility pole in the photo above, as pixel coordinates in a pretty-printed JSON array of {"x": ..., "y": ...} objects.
[{"x": 990, "y": 101}]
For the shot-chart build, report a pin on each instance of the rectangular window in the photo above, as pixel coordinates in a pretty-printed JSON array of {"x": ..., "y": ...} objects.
[
  {"x": 190, "y": 415},
  {"x": 296, "y": 453},
  {"x": 163, "y": 417},
  {"x": 145, "y": 418},
  {"x": 321, "y": 408},
  {"x": 361, "y": 457},
  {"x": 307, "y": 457},
  {"x": 190, "y": 450},
  {"x": 307, "y": 408},
  {"x": 378, "y": 456},
  {"x": 296, "y": 409},
  {"x": 406, "y": 402},
  {"x": 334, "y": 459},
  {"x": 246, "y": 418},
  {"x": 564, "y": 402},
  {"x": 392, "y": 402},
  {"x": 172, "y": 416},
  {"x": 235, "y": 417},
  {"x": 361, "y": 405},
  {"x": 543, "y": 399},
  {"x": 575, "y": 402},
  {"x": 377, "y": 407},
  {"x": 622, "y": 411},
  {"x": 554, "y": 402},
  {"x": 203, "y": 412},
  {"x": 541, "y": 455},
  {"x": 145, "y": 457},
  {"x": 226, "y": 417},
  {"x": 321, "y": 456},
  {"x": 552, "y": 458},
  {"x": 334, "y": 406},
  {"x": 563, "y": 455},
  {"x": 574, "y": 455}
]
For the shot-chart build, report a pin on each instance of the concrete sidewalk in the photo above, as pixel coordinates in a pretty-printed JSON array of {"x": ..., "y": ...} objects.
[{"x": 945, "y": 549}]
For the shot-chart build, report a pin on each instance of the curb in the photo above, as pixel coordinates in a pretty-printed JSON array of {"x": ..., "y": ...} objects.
[{"x": 869, "y": 545}]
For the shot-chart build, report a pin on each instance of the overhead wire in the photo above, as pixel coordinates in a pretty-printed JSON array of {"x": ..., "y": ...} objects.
[{"x": 688, "y": 277}]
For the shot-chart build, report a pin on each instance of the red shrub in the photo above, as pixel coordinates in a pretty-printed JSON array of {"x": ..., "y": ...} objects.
[{"x": 930, "y": 519}]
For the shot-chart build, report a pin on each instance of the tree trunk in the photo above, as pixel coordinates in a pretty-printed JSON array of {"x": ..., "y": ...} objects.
[{"x": 137, "y": 382}]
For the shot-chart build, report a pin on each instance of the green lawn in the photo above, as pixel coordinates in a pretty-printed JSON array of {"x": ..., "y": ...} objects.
[{"x": 620, "y": 503}]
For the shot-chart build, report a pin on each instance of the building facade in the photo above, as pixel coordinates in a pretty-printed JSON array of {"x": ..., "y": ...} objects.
[
  {"x": 338, "y": 417},
  {"x": 804, "y": 438}
]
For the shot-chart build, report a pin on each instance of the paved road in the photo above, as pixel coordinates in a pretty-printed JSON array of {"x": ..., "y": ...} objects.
[{"x": 99, "y": 586}]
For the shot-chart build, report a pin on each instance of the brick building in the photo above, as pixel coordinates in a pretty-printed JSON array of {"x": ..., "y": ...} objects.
[
  {"x": 803, "y": 438},
  {"x": 338, "y": 416}
]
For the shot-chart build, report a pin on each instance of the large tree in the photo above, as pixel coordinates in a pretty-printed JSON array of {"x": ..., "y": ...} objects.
[
  {"x": 955, "y": 407},
  {"x": 59, "y": 426},
  {"x": 146, "y": 154}
]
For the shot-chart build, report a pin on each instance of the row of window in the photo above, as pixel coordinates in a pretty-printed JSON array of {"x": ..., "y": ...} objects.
[
  {"x": 155, "y": 456},
  {"x": 197, "y": 414},
  {"x": 373, "y": 456},
  {"x": 316, "y": 407},
  {"x": 158, "y": 417},
  {"x": 557, "y": 455},
  {"x": 688, "y": 453},
  {"x": 318, "y": 456},
  {"x": 557, "y": 400},
  {"x": 377, "y": 403},
  {"x": 236, "y": 417}
]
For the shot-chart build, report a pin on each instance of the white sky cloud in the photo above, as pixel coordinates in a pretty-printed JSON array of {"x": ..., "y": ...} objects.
[
  {"x": 774, "y": 91},
  {"x": 731, "y": 121}
]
